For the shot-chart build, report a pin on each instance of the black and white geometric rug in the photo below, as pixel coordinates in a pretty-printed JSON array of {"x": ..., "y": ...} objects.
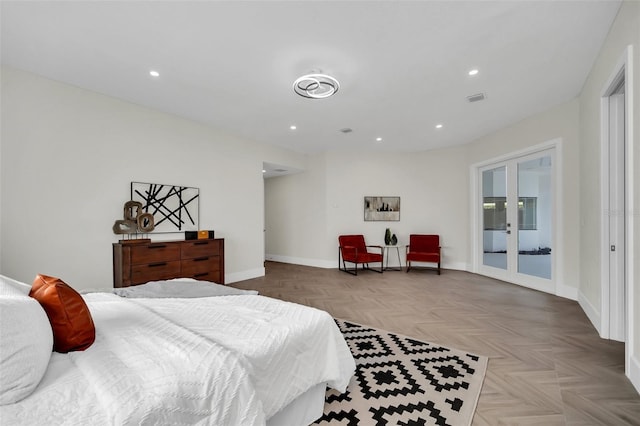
[{"x": 403, "y": 381}]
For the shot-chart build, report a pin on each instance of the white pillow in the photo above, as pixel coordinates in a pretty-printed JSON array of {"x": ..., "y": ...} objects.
[
  {"x": 26, "y": 342},
  {"x": 7, "y": 285}
]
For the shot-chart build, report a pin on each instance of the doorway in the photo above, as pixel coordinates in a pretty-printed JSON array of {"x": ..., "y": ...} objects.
[
  {"x": 615, "y": 202},
  {"x": 515, "y": 212}
]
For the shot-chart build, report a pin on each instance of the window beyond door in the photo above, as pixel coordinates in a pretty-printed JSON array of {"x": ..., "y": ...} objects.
[{"x": 495, "y": 213}]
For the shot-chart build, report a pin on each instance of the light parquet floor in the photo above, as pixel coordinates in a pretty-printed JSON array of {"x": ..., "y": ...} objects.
[{"x": 547, "y": 364}]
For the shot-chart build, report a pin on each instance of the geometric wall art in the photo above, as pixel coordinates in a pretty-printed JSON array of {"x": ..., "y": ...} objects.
[{"x": 174, "y": 208}]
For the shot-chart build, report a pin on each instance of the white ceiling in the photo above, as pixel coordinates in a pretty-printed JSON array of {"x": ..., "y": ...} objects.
[{"x": 402, "y": 65}]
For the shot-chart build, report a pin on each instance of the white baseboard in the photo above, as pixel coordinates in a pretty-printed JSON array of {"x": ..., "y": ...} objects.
[
  {"x": 592, "y": 313},
  {"x": 333, "y": 264},
  {"x": 318, "y": 263},
  {"x": 634, "y": 372},
  {"x": 457, "y": 266},
  {"x": 243, "y": 275},
  {"x": 567, "y": 292}
]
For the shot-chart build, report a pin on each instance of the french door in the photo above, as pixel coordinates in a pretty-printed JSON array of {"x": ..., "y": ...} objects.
[{"x": 515, "y": 215}]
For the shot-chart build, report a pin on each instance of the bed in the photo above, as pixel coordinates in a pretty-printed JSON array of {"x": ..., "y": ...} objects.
[{"x": 229, "y": 358}]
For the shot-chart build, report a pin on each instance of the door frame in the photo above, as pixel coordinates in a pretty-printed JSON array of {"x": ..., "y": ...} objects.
[
  {"x": 548, "y": 286},
  {"x": 623, "y": 69}
]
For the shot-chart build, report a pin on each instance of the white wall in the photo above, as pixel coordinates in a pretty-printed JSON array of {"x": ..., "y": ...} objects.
[
  {"x": 433, "y": 190},
  {"x": 68, "y": 157}
]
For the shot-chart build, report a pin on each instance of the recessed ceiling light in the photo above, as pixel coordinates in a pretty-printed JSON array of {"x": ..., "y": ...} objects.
[
  {"x": 293, "y": 127},
  {"x": 473, "y": 72},
  {"x": 264, "y": 171},
  {"x": 378, "y": 139},
  {"x": 153, "y": 73},
  {"x": 438, "y": 126}
]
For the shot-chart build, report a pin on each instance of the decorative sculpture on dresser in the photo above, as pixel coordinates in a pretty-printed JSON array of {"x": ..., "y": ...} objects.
[{"x": 135, "y": 220}]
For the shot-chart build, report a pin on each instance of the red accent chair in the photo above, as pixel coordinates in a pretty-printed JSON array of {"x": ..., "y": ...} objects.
[
  {"x": 423, "y": 248},
  {"x": 353, "y": 249}
]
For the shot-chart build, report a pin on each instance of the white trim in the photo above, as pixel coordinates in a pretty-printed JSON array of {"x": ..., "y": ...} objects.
[
  {"x": 475, "y": 192},
  {"x": 634, "y": 372},
  {"x": 612, "y": 82},
  {"x": 317, "y": 263},
  {"x": 457, "y": 266},
  {"x": 453, "y": 266},
  {"x": 243, "y": 275},
  {"x": 624, "y": 65},
  {"x": 333, "y": 264},
  {"x": 630, "y": 250},
  {"x": 567, "y": 292},
  {"x": 590, "y": 310},
  {"x": 552, "y": 143},
  {"x": 604, "y": 220},
  {"x": 557, "y": 265}
]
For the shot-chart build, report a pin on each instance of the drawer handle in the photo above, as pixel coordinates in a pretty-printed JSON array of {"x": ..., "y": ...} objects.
[
  {"x": 156, "y": 246},
  {"x": 202, "y": 274},
  {"x": 200, "y": 259},
  {"x": 153, "y": 265},
  {"x": 200, "y": 243}
]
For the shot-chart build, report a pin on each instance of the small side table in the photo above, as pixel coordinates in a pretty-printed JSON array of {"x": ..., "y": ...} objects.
[{"x": 386, "y": 256}]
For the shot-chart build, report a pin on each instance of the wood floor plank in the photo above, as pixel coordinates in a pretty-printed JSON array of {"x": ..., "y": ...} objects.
[{"x": 547, "y": 364}]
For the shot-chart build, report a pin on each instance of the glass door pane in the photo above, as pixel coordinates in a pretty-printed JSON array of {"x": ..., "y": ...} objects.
[
  {"x": 534, "y": 217},
  {"x": 494, "y": 217}
]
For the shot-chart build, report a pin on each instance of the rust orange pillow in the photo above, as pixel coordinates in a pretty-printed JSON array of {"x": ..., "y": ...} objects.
[{"x": 70, "y": 319}]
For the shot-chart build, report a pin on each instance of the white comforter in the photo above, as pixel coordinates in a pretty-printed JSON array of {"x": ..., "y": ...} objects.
[{"x": 231, "y": 360}]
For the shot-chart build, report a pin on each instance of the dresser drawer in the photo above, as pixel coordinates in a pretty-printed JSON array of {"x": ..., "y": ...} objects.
[
  {"x": 154, "y": 271},
  {"x": 213, "y": 276},
  {"x": 201, "y": 248},
  {"x": 156, "y": 252},
  {"x": 199, "y": 266}
]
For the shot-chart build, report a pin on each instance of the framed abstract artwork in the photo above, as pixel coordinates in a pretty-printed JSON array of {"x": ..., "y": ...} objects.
[
  {"x": 174, "y": 208},
  {"x": 382, "y": 209}
]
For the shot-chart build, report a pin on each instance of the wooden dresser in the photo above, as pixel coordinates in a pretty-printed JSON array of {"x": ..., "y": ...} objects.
[{"x": 136, "y": 262}]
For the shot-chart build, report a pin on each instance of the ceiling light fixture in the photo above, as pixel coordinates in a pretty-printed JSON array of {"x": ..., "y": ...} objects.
[
  {"x": 438, "y": 126},
  {"x": 153, "y": 73},
  {"x": 378, "y": 139},
  {"x": 293, "y": 127},
  {"x": 316, "y": 86},
  {"x": 473, "y": 72}
]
